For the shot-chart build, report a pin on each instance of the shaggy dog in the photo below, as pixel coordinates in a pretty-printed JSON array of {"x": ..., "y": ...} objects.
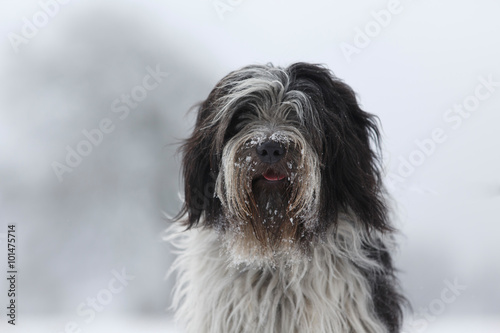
[{"x": 287, "y": 228}]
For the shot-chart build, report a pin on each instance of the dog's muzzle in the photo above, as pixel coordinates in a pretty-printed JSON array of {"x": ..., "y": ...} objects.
[{"x": 271, "y": 152}]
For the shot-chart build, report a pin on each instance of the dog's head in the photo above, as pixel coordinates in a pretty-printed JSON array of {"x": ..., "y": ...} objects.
[{"x": 277, "y": 154}]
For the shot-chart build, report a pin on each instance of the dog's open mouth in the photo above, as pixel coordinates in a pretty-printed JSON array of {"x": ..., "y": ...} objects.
[{"x": 273, "y": 176}]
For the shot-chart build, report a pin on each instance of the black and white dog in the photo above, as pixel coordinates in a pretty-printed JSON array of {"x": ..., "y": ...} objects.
[{"x": 287, "y": 225}]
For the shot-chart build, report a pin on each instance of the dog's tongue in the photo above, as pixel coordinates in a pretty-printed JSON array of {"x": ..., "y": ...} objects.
[{"x": 272, "y": 175}]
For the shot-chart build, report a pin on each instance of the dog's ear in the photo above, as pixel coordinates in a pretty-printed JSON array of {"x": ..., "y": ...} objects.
[
  {"x": 200, "y": 168},
  {"x": 349, "y": 148}
]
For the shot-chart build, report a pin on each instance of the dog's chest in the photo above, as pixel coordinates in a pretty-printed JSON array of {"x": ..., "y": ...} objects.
[{"x": 322, "y": 293}]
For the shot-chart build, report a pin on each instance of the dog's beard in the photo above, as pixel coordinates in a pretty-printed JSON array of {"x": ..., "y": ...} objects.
[{"x": 269, "y": 210}]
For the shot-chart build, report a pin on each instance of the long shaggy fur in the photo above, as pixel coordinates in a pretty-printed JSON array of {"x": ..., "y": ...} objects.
[{"x": 294, "y": 242}]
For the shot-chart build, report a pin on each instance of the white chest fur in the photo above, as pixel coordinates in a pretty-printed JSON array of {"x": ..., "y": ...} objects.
[{"x": 324, "y": 292}]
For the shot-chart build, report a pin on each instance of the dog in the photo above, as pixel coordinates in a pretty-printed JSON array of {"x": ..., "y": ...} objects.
[{"x": 285, "y": 222}]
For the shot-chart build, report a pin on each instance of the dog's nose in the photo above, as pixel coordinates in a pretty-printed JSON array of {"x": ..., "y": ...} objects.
[{"x": 270, "y": 152}]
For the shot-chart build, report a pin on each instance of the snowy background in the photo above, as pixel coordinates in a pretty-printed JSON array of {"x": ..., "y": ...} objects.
[{"x": 428, "y": 69}]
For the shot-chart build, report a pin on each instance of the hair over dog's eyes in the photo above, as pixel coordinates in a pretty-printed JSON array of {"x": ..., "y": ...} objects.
[
  {"x": 240, "y": 124},
  {"x": 237, "y": 123},
  {"x": 241, "y": 118},
  {"x": 293, "y": 117}
]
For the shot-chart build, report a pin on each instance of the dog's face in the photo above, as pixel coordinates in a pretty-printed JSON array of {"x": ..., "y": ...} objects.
[{"x": 276, "y": 155}]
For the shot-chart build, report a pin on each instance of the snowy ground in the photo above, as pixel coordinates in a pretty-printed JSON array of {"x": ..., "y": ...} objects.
[
  {"x": 465, "y": 325},
  {"x": 156, "y": 325}
]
